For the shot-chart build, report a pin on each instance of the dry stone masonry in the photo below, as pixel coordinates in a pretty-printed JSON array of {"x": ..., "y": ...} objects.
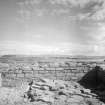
[
  {"x": 52, "y": 68},
  {"x": 60, "y": 72}
]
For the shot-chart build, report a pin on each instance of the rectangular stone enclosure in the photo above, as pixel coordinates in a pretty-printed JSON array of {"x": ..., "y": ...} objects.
[{"x": 10, "y": 78}]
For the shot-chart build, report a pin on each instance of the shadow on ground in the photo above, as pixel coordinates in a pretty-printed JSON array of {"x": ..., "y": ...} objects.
[{"x": 95, "y": 81}]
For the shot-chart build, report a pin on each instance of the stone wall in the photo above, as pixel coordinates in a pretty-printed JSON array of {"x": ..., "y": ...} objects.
[
  {"x": 14, "y": 69},
  {"x": 63, "y": 72}
]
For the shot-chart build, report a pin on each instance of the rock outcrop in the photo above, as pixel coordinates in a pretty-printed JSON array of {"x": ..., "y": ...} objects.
[{"x": 56, "y": 92}]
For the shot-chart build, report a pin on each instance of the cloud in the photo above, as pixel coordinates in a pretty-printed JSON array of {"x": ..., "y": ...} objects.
[
  {"x": 14, "y": 47},
  {"x": 80, "y": 9},
  {"x": 97, "y": 12},
  {"x": 99, "y": 40},
  {"x": 93, "y": 9},
  {"x": 88, "y": 11},
  {"x": 78, "y": 49},
  {"x": 99, "y": 15},
  {"x": 71, "y": 3}
]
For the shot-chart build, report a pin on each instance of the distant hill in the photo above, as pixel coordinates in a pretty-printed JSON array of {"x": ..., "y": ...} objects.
[
  {"x": 34, "y": 58},
  {"x": 69, "y": 56}
]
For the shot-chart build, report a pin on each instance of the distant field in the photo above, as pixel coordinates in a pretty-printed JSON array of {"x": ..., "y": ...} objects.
[{"x": 47, "y": 58}]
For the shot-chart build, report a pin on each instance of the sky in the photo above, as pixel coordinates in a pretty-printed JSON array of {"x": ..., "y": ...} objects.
[{"x": 56, "y": 27}]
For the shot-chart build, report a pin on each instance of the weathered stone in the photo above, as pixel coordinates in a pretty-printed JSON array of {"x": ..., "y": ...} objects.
[
  {"x": 20, "y": 75},
  {"x": 10, "y": 75},
  {"x": 29, "y": 75},
  {"x": 28, "y": 71},
  {"x": 74, "y": 78},
  {"x": 75, "y": 71},
  {"x": 59, "y": 68},
  {"x": 0, "y": 80},
  {"x": 75, "y": 99}
]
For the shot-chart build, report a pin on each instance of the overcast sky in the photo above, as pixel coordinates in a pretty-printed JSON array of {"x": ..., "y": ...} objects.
[{"x": 65, "y": 27}]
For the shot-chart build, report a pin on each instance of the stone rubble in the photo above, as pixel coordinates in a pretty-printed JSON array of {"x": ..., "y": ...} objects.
[{"x": 58, "y": 92}]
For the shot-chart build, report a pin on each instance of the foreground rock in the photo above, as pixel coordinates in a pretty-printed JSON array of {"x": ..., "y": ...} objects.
[
  {"x": 95, "y": 80},
  {"x": 58, "y": 92}
]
